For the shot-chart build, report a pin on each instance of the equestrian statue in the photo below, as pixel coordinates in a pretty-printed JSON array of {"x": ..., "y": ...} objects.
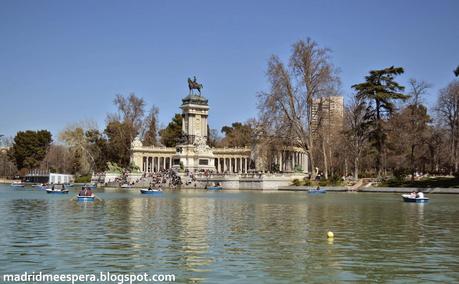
[{"x": 193, "y": 84}]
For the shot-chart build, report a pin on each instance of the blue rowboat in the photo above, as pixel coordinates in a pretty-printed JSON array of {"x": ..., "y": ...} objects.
[
  {"x": 316, "y": 191},
  {"x": 409, "y": 198},
  {"x": 86, "y": 198},
  {"x": 153, "y": 191},
  {"x": 215, "y": 187}
]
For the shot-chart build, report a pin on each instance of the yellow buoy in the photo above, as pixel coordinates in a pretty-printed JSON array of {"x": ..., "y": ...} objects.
[{"x": 330, "y": 234}]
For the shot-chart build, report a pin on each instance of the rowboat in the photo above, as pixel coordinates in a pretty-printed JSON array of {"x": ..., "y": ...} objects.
[
  {"x": 151, "y": 191},
  {"x": 316, "y": 191},
  {"x": 218, "y": 187},
  {"x": 17, "y": 184},
  {"x": 86, "y": 198},
  {"x": 409, "y": 198},
  {"x": 126, "y": 185},
  {"x": 57, "y": 191},
  {"x": 39, "y": 186}
]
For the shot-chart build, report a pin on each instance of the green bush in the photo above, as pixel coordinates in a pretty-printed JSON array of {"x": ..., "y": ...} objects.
[
  {"x": 83, "y": 179},
  {"x": 307, "y": 182},
  {"x": 335, "y": 180},
  {"x": 296, "y": 182},
  {"x": 400, "y": 174}
]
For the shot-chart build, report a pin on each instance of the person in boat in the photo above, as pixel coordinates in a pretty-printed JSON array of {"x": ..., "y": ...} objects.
[
  {"x": 318, "y": 188},
  {"x": 82, "y": 192},
  {"x": 413, "y": 194},
  {"x": 52, "y": 188},
  {"x": 420, "y": 194},
  {"x": 88, "y": 191},
  {"x": 149, "y": 188}
]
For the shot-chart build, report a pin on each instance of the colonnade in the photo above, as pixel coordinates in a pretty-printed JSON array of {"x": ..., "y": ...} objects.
[
  {"x": 232, "y": 165},
  {"x": 155, "y": 164},
  {"x": 288, "y": 160}
]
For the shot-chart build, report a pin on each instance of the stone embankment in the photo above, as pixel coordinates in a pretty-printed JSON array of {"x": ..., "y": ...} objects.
[{"x": 4, "y": 180}]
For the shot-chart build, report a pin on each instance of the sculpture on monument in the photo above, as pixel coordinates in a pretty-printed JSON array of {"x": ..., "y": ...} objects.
[
  {"x": 200, "y": 144},
  {"x": 194, "y": 85}
]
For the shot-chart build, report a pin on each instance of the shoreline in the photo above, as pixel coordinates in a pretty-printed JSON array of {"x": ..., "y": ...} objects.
[
  {"x": 436, "y": 190},
  {"x": 292, "y": 188}
]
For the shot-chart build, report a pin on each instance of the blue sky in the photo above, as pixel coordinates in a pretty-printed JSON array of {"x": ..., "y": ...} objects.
[{"x": 64, "y": 61}]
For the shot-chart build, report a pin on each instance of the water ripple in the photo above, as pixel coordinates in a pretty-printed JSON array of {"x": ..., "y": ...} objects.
[{"x": 233, "y": 237}]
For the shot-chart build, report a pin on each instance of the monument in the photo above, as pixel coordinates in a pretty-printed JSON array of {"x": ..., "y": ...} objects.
[{"x": 193, "y": 153}]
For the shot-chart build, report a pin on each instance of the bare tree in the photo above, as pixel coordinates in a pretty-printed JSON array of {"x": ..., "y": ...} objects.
[
  {"x": 448, "y": 113},
  {"x": 78, "y": 142},
  {"x": 418, "y": 119},
  {"x": 356, "y": 131},
  {"x": 287, "y": 107}
]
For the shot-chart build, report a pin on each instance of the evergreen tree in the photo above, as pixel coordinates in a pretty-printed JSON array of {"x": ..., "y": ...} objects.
[
  {"x": 172, "y": 134},
  {"x": 379, "y": 91},
  {"x": 151, "y": 121},
  {"x": 29, "y": 148}
]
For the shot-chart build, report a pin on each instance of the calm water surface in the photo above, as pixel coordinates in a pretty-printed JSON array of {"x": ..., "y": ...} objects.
[{"x": 233, "y": 236}]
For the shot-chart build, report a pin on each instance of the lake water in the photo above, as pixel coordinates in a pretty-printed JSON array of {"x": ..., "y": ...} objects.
[{"x": 233, "y": 236}]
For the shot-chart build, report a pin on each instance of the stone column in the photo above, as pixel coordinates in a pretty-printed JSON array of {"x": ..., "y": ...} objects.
[
  {"x": 306, "y": 163},
  {"x": 280, "y": 161}
]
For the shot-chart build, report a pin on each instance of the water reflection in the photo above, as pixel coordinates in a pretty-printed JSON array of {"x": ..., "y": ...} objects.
[{"x": 233, "y": 236}]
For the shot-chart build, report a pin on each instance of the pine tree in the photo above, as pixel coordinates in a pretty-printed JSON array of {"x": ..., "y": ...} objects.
[{"x": 379, "y": 91}]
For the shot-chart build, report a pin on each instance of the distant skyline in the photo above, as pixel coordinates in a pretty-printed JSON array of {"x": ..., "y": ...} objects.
[{"x": 64, "y": 61}]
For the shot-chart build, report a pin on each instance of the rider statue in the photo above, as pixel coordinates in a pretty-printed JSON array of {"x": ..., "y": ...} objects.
[{"x": 194, "y": 85}]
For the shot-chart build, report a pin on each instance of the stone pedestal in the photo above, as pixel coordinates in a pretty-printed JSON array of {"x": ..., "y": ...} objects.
[
  {"x": 192, "y": 159},
  {"x": 194, "y": 153}
]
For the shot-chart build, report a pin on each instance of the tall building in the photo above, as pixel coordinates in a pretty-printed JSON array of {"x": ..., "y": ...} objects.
[{"x": 327, "y": 113}]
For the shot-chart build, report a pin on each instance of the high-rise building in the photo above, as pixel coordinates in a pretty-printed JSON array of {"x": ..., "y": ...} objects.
[{"x": 327, "y": 114}]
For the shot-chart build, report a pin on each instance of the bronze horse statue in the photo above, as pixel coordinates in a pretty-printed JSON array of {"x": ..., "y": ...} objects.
[{"x": 193, "y": 84}]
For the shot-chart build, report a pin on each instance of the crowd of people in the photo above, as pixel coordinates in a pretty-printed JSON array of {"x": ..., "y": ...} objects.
[{"x": 164, "y": 178}]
